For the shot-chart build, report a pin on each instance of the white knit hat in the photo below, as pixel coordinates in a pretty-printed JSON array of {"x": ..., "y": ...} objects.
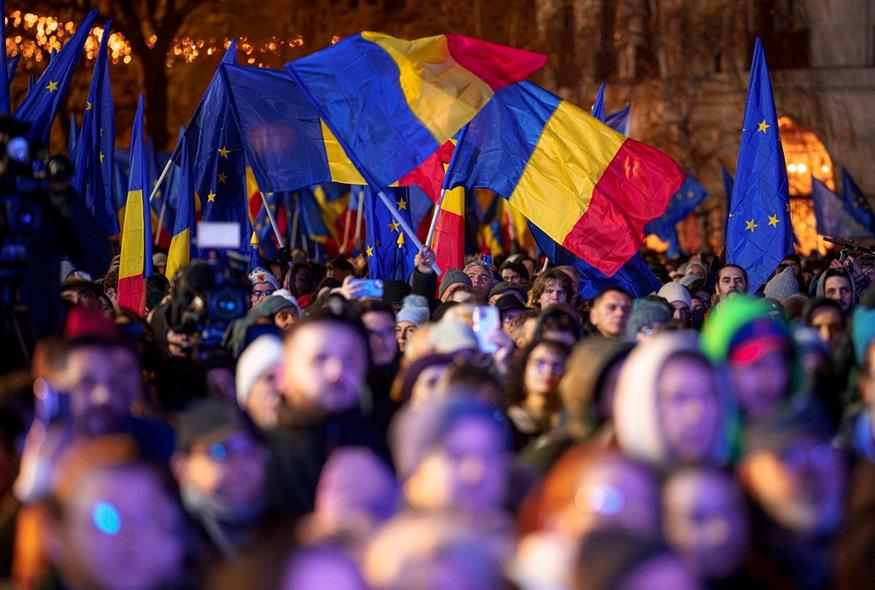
[
  {"x": 263, "y": 354},
  {"x": 673, "y": 291}
]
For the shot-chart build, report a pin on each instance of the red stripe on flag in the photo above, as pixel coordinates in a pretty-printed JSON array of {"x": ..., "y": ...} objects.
[
  {"x": 430, "y": 174},
  {"x": 449, "y": 241},
  {"x": 634, "y": 190},
  {"x": 132, "y": 294},
  {"x": 496, "y": 65}
]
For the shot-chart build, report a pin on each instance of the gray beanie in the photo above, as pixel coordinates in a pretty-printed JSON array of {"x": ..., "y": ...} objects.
[
  {"x": 647, "y": 311},
  {"x": 782, "y": 285},
  {"x": 451, "y": 277},
  {"x": 414, "y": 310}
]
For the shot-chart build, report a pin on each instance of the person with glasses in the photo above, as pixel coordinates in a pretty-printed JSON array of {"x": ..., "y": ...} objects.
[
  {"x": 221, "y": 468},
  {"x": 263, "y": 285},
  {"x": 533, "y": 387}
]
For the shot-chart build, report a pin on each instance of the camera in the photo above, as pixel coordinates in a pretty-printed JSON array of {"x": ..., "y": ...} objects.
[{"x": 209, "y": 295}]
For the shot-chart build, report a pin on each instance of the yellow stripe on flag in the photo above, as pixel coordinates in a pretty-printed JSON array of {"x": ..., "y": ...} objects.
[
  {"x": 556, "y": 186},
  {"x": 339, "y": 165},
  {"x": 179, "y": 253},
  {"x": 133, "y": 238},
  {"x": 431, "y": 80}
]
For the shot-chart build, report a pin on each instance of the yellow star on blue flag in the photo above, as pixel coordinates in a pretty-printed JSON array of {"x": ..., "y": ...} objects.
[{"x": 760, "y": 190}]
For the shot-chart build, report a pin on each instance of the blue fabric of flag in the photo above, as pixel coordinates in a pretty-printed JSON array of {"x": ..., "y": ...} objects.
[
  {"x": 683, "y": 202},
  {"x": 499, "y": 141},
  {"x": 635, "y": 276},
  {"x": 283, "y": 132},
  {"x": 621, "y": 120},
  {"x": 43, "y": 101},
  {"x": 856, "y": 202},
  {"x": 95, "y": 157},
  {"x": 832, "y": 217},
  {"x": 356, "y": 85},
  {"x": 388, "y": 251},
  {"x": 759, "y": 231},
  {"x": 598, "y": 107}
]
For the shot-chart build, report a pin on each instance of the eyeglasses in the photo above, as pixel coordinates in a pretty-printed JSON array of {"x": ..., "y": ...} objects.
[
  {"x": 259, "y": 294},
  {"x": 239, "y": 445},
  {"x": 545, "y": 366}
]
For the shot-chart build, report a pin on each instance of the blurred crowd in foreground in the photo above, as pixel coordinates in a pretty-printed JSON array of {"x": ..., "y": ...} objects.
[{"x": 698, "y": 437}]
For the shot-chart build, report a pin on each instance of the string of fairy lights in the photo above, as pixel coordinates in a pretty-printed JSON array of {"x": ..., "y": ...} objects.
[{"x": 34, "y": 37}]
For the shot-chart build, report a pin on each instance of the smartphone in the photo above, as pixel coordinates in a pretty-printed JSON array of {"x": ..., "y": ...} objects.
[
  {"x": 370, "y": 288},
  {"x": 219, "y": 235},
  {"x": 487, "y": 259},
  {"x": 487, "y": 321}
]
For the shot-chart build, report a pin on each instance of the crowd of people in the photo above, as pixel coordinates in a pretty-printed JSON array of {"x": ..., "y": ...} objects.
[{"x": 702, "y": 436}]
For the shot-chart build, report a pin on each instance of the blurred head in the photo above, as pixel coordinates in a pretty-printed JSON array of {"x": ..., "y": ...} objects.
[
  {"x": 452, "y": 455},
  {"x": 514, "y": 272},
  {"x": 104, "y": 383},
  {"x": 544, "y": 365},
  {"x": 80, "y": 293},
  {"x": 379, "y": 321},
  {"x": 220, "y": 466},
  {"x": 116, "y": 522},
  {"x": 314, "y": 568},
  {"x": 705, "y": 521},
  {"x": 263, "y": 285},
  {"x": 325, "y": 364},
  {"x": 757, "y": 350},
  {"x": 522, "y": 327},
  {"x": 793, "y": 473},
  {"x": 610, "y": 312},
  {"x": 257, "y": 392},
  {"x": 616, "y": 560},
  {"x": 357, "y": 492},
  {"x": 828, "y": 318}
]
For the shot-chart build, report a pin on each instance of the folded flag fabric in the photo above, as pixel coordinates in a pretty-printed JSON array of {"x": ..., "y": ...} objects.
[
  {"x": 589, "y": 188},
  {"x": 831, "y": 215},
  {"x": 856, "y": 203},
  {"x": 179, "y": 253},
  {"x": 684, "y": 202},
  {"x": 394, "y": 102},
  {"x": 448, "y": 242}
]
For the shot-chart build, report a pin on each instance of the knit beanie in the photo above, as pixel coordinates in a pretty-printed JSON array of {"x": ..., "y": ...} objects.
[
  {"x": 451, "y": 277},
  {"x": 507, "y": 288},
  {"x": 414, "y": 310},
  {"x": 261, "y": 275},
  {"x": 674, "y": 291},
  {"x": 782, "y": 285},
  {"x": 264, "y": 353},
  {"x": 644, "y": 312}
]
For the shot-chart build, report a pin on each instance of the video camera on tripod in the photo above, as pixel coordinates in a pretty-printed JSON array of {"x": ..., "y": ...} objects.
[{"x": 848, "y": 247}]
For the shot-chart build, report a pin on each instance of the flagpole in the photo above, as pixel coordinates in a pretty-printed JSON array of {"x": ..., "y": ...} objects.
[
  {"x": 359, "y": 217},
  {"x": 450, "y": 167},
  {"x": 276, "y": 230},
  {"x": 295, "y": 216},
  {"x": 161, "y": 178},
  {"x": 375, "y": 186},
  {"x": 160, "y": 221}
]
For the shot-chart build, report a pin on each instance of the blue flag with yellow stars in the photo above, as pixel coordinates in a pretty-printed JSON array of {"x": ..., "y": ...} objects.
[
  {"x": 759, "y": 233},
  {"x": 856, "y": 203},
  {"x": 832, "y": 217},
  {"x": 389, "y": 253},
  {"x": 682, "y": 203},
  {"x": 95, "y": 155},
  {"x": 42, "y": 102},
  {"x": 218, "y": 159}
]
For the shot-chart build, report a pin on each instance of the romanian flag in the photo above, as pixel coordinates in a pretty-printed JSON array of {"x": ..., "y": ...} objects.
[
  {"x": 391, "y": 103},
  {"x": 289, "y": 146},
  {"x": 448, "y": 242},
  {"x": 589, "y": 188},
  {"x": 136, "y": 256},
  {"x": 179, "y": 254}
]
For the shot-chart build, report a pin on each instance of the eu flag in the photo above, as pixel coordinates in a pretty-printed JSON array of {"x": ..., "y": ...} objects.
[
  {"x": 833, "y": 219},
  {"x": 72, "y": 138},
  {"x": 218, "y": 158},
  {"x": 95, "y": 155},
  {"x": 634, "y": 276},
  {"x": 41, "y": 104},
  {"x": 389, "y": 253},
  {"x": 682, "y": 204},
  {"x": 759, "y": 233},
  {"x": 11, "y": 67},
  {"x": 856, "y": 203}
]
